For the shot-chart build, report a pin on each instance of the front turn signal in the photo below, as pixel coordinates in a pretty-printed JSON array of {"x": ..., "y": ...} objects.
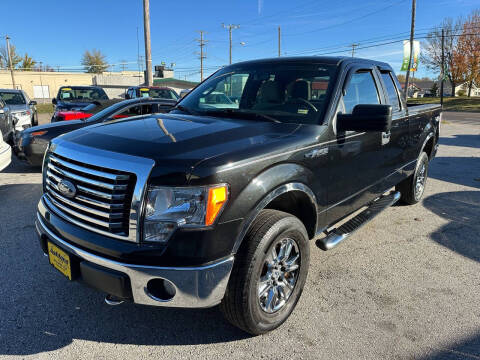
[{"x": 217, "y": 198}]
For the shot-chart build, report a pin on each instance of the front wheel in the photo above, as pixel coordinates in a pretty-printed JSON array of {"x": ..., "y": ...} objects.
[
  {"x": 269, "y": 274},
  {"x": 413, "y": 187}
]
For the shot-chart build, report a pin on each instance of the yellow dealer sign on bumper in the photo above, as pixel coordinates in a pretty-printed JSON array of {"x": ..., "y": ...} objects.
[{"x": 60, "y": 260}]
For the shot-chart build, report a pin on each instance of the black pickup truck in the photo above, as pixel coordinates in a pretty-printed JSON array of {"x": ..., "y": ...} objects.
[{"x": 215, "y": 203}]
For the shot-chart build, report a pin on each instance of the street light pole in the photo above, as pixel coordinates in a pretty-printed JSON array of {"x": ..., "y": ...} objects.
[
  {"x": 279, "y": 41},
  {"x": 443, "y": 67},
  {"x": 148, "y": 46},
  {"x": 10, "y": 60}
]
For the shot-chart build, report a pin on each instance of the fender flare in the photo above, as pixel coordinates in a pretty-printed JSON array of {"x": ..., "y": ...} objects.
[
  {"x": 282, "y": 189},
  {"x": 428, "y": 137}
]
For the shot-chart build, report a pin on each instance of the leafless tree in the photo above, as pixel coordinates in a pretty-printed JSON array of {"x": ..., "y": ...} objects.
[{"x": 432, "y": 55}]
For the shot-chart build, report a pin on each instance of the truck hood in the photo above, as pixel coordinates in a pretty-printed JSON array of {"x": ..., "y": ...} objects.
[{"x": 179, "y": 140}]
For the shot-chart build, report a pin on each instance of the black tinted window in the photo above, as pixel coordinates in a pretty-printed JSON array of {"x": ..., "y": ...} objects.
[
  {"x": 360, "y": 90},
  {"x": 392, "y": 91},
  {"x": 285, "y": 92}
]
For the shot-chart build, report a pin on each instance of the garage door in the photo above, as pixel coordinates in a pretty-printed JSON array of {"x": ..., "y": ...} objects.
[{"x": 41, "y": 92}]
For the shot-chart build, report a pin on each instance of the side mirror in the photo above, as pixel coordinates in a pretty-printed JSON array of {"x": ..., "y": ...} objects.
[
  {"x": 33, "y": 102},
  {"x": 54, "y": 101},
  {"x": 366, "y": 118}
]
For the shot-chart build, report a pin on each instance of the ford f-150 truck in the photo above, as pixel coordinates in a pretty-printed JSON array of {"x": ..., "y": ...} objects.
[{"x": 212, "y": 205}]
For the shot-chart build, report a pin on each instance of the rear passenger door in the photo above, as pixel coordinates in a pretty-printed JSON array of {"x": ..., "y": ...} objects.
[
  {"x": 395, "y": 143},
  {"x": 356, "y": 159}
]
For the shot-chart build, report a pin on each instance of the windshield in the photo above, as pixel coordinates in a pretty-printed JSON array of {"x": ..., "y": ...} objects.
[
  {"x": 106, "y": 112},
  {"x": 13, "y": 98},
  {"x": 81, "y": 94},
  {"x": 282, "y": 92},
  {"x": 159, "y": 93}
]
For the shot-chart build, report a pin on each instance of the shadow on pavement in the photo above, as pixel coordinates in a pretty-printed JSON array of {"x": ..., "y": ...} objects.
[
  {"x": 462, "y": 140},
  {"x": 457, "y": 170},
  {"x": 20, "y": 167},
  {"x": 464, "y": 350},
  {"x": 462, "y": 208},
  {"x": 460, "y": 235},
  {"x": 40, "y": 310}
]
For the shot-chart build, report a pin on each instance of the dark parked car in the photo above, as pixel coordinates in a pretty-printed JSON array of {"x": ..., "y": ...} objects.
[
  {"x": 33, "y": 142},
  {"x": 216, "y": 205},
  {"x": 77, "y": 97}
]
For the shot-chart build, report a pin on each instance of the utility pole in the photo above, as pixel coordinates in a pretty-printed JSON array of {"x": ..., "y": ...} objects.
[
  {"x": 10, "y": 60},
  {"x": 442, "y": 72},
  {"x": 201, "y": 43},
  {"x": 148, "y": 46},
  {"x": 353, "y": 49},
  {"x": 412, "y": 33},
  {"x": 279, "y": 41},
  {"x": 230, "y": 28}
]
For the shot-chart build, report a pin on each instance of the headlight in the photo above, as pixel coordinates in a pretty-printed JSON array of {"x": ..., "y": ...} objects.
[
  {"x": 23, "y": 113},
  {"x": 169, "y": 208}
]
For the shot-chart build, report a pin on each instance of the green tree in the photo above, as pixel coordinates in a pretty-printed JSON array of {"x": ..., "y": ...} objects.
[
  {"x": 28, "y": 64},
  {"x": 16, "y": 59},
  {"x": 94, "y": 62},
  {"x": 434, "y": 89}
]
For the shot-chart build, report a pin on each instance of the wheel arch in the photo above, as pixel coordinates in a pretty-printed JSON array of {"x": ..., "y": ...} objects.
[
  {"x": 294, "y": 198},
  {"x": 428, "y": 145}
]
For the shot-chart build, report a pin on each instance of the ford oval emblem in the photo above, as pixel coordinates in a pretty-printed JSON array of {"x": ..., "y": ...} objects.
[{"x": 66, "y": 188}]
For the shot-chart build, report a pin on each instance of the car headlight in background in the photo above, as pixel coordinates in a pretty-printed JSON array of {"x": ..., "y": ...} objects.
[
  {"x": 169, "y": 208},
  {"x": 23, "y": 113}
]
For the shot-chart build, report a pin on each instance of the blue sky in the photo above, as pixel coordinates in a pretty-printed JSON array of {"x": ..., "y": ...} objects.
[{"x": 58, "y": 32}]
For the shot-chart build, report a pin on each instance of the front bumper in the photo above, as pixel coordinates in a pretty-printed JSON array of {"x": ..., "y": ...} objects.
[{"x": 193, "y": 287}]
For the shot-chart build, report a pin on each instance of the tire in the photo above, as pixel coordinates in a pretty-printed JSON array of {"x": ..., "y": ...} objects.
[
  {"x": 242, "y": 305},
  {"x": 411, "y": 193},
  {"x": 35, "y": 119}
]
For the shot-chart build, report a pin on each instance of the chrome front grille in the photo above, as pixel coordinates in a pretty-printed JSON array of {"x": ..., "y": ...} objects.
[{"x": 102, "y": 199}]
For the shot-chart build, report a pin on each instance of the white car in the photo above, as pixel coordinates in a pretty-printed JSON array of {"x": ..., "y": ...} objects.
[
  {"x": 5, "y": 153},
  {"x": 21, "y": 107}
]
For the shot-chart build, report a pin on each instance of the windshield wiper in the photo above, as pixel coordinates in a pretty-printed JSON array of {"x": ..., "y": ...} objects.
[
  {"x": 184, "y": 109},
  {"x": 239, "y": 113}
]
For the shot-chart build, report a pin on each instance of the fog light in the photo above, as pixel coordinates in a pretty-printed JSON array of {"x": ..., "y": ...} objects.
[{"x": 161, "y": 289}]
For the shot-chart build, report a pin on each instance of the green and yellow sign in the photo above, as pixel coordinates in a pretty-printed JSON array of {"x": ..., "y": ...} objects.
[{"x": 406, "y": 55}]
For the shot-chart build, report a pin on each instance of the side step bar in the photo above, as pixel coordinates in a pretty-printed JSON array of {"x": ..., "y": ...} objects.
[{"x": 337, "y": 235}]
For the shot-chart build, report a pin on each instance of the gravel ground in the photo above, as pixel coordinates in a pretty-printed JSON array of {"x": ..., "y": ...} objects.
[{"x": 407, "y": 285}]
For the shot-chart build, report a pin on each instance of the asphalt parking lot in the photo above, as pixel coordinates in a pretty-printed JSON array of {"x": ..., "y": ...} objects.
[{"x": 407, "y": 285}]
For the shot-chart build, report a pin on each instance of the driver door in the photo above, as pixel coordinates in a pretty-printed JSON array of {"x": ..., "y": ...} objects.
[{"x": 356, "y": 158}]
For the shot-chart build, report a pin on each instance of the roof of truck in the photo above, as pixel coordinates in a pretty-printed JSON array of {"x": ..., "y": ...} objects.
[{"x": 334, "y": 60}]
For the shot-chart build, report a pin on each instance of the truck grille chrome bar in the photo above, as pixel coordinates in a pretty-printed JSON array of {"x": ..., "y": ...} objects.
[{"x": 102, "y": 197}]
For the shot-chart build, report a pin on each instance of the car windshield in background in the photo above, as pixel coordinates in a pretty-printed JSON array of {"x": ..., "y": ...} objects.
[
  {"x": 159, "y": 93},
  {"x": 81, "y": 94},
  {"x": 13, "y": 98},
  {"x": 280, "y": 92},
  {"x": 106, "y": 112}
]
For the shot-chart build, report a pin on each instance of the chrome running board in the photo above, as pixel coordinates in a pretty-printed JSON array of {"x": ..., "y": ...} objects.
[{"x": 337, "y": 235}]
